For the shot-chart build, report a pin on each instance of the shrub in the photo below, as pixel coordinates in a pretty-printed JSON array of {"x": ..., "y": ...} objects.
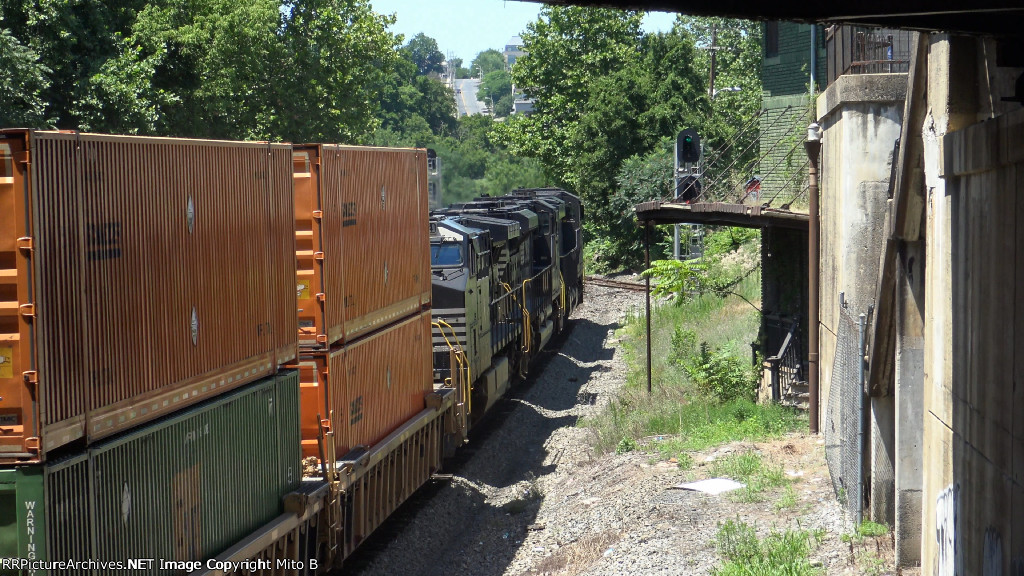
[{"x": 720, "y": 374}]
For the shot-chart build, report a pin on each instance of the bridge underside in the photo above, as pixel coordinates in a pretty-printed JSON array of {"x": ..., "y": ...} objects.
[
  {"x": 999, "y": 17},
  {"x": 658, "y": 212}
]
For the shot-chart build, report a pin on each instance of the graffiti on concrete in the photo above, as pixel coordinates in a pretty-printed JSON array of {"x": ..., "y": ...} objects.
[
  {"x": 992, "y": 561},
  {"x": 947, "y": 516}
]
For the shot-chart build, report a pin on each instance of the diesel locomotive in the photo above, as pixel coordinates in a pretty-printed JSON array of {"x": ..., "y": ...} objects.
[{"x": 506, "y": 274}]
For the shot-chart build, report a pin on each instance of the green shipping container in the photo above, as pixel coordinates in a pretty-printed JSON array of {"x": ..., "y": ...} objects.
[{"x": 182, "y": 489}]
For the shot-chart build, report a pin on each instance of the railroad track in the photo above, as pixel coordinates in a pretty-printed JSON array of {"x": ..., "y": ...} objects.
[{"x": 636, "y": 287}]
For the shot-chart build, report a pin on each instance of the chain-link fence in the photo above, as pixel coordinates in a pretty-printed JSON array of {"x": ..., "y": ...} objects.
[{"x": 844, "y": 420}]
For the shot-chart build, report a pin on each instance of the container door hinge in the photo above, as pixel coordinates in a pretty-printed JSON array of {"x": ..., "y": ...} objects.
[
  {"x": 26, "y": 244},
  {"x": 318, "y": 256},
  {"x": 28, "y": 310},
  {"x": 321, "y": 297},
  {"x": 21, "y": 157},
  {"x": 32, "y": 443},
  {"x": 321, "y": 338},
  {"x": 318, "y": 214}
]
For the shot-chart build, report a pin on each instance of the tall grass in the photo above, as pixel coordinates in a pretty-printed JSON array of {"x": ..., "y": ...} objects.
[{"x": 686, "y": 418}]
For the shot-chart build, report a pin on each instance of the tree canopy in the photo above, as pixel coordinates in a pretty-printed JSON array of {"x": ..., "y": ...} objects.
[
  {"x": 301, "y": 70},
  {"x": 422, "y": 50},
  {"x": 486, "y": 62},
  {"x": 608, "y": 98}
]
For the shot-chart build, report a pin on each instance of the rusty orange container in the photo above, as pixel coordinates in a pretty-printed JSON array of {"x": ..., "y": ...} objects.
[
  {"x": 362, "y": 239},
  {"x": 137, "y": 276},
  {"x": 368, "y": 388}
]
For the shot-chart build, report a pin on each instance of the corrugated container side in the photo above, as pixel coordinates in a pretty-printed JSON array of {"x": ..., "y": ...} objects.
[
  {"x": 376, "y": 383},
  {"x": 67, "y": 512},
  {"x": 375, "y": 238},
  {"x": 424, "y": 247},
  {"x": 44, "y": 513},
  {"x": 189, "y": 487},
  {"x": 288, "y": 433},
  {"x": 161, "y": 274},
  {"x": 282, "y": 265}
]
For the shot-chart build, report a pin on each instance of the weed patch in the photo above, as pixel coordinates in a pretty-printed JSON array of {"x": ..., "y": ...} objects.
[
  {"x": 751, "y": 470},
  {"x": 778, "y": 554}
]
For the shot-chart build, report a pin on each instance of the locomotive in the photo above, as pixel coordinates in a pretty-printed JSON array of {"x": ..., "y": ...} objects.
[
  {"x": 153, "y": 419},
  {"x": 506, "y": 274}
]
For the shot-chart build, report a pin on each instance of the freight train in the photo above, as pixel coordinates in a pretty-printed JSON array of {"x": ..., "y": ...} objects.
[{"x": 223, "y": 357}]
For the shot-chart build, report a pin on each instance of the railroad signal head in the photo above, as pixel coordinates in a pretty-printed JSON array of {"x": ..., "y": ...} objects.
[
  {"x": 689, "y": 189},
  {"x": 688, "y": 146}
]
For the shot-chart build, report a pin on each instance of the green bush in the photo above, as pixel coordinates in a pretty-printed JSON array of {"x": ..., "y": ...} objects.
[
  {"x": 720, "y": 374},
  {"x": 684, "y": 344},
  {"x": 627, "y": 444}
]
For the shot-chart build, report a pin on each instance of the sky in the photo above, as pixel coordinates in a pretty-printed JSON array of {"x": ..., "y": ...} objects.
[{"x": 468, "y": 27}]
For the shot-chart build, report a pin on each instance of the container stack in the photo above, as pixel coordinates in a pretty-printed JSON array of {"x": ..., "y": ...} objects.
[
  {"x": 362, "y": 247},
  {"x": 147, "y": 305}
]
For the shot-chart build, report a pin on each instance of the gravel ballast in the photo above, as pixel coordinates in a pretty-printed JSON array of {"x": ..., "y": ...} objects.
[{"x": 528, "y": 495}]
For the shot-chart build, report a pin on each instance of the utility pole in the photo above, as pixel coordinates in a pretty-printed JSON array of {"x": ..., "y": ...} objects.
[{"x": 714, "y": 56}]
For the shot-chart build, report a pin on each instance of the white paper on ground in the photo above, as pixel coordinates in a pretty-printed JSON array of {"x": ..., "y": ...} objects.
[{"x": 711, "y": 485}]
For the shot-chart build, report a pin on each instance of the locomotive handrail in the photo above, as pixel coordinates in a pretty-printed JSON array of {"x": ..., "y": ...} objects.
[
  {"x": 561, "y": 284},
  {"x": 526, "y": 318},
  {"x": 523, "y": 309},
  {"x": 462, "y": 360}
]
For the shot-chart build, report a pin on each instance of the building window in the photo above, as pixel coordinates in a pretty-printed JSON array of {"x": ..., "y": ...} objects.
[{"x": 771, "y": 39}]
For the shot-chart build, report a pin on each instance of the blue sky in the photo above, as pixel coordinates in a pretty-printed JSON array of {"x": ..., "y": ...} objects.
[{"x": 468, "y": 27}]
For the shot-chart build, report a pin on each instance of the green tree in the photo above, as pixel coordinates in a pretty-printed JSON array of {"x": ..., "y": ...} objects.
[
  {"x": 339, "y": 54},
  {"x": 309, "y": 70},
  {"x": 568, "y": 49},
  {"x": 422, "y": 50},
  {"x": 71, "y": 40},
  {"x": 406, "y": 94},
  {"x": 503, "y": 107},
  {"x": 506, "y": 173},
  {"x": 23, "y": 80},
  {"x": 604, "y": 93},
  {"x": 205, "y": 71},
  {"x": 495, "y": 86},
  {"x": 458, "y": 69},
  {"x": 728, "y": 138},
  {"x": 486, "y": 62}
]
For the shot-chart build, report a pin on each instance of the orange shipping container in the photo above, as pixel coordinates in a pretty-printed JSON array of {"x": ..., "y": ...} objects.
[
  {"x": 362, "y": 239},
  {"x": 137, "y": 276},
  {"x": 368, "y": 388}
]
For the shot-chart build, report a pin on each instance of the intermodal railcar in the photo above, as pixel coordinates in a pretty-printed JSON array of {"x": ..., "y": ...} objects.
[{"x": 224, "y": 356}]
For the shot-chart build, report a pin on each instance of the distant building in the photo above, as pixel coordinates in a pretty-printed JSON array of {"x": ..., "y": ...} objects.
[
  {"x": 433, "y": 180},
  {"x": 522, "y": 105},
  {"x": 787, "y": 102},
  {"x": 513, "y": 50}
]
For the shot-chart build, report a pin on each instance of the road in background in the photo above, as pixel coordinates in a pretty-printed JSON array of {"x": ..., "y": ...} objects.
[{"x": 465, "y": 97}]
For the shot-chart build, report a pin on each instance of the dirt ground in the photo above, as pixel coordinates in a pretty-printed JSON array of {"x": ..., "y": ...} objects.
[{"x": 528, "y": 495}]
